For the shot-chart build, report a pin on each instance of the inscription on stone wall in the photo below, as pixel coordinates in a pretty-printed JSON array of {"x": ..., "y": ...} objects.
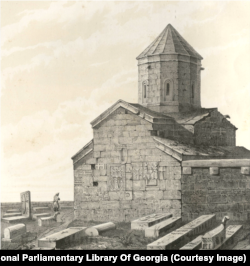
[
  {"x": 116, "y": 178},
  {"x": 145, "y": 171}
]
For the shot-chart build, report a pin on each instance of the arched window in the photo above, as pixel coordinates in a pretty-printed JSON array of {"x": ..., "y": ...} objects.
[
  {"x": 167, "y": 88},
  {"x": 145, "y": 90}
]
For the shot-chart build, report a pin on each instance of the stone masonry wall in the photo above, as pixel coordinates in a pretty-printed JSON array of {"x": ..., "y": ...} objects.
[
  {"x": 126, "y": 176},
  {"x": 214, "y": 130},
  {"x": 225, "y": 193}
]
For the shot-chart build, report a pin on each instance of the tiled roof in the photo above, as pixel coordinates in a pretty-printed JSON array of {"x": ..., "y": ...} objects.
[
  {"x": 137, "y": 109},
  {"x": 170, "y": 42},
  {"x": 185, "y": 150}
]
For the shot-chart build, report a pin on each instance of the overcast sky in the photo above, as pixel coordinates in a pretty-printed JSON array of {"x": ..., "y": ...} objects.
[{"x": 63, "y": 63}]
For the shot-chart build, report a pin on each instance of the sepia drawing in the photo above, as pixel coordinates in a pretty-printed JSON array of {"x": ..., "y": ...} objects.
[{"x": 116, "y": 168}]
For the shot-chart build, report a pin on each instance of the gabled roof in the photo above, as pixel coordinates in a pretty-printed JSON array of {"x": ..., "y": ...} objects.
[
  {"x": 169, "y": 42},
  {"x": 186, "y": 151},
  {"x": 137, "y": 109},
  {"x": 192, "y": 117},
  {"x": 83, "y": 151}
]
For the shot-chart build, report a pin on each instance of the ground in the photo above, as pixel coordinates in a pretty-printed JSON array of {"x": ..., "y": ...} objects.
[{"x": 121, "y": 238}]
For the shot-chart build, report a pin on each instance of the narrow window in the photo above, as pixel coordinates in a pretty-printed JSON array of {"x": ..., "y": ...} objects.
[
  {"x": 145, "y": 90},
  {"x": 192, "y": 90},
  {"x": 95, "y": 184},
  {"x": 92, "y": 166},
  {"x": 167, "y": 89}
]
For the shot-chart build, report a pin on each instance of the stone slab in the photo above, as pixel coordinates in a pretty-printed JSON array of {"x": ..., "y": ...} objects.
[
  {"x": 181, "y": 236},
  {"x": 38, "y": 248},
  {"x": 201, "y": 224},
  {"x": 14, "y": 231},
  {"x": 41, "y": 209},
  {"x": 155, "y": 230},
  {"x": 46, "y": 221},
  {"x": 64, "y": 207},
  {"x": 40, "y": 215},
  {"x": 13, "y": 211},
  {"x": 171, "y": 240},
  {"x": 12, "y": 214},
  {"x": 194, "y": 244},
  {"x": 15, "y": 219},
  {"x": 58, "y": 239},
  {"x": 149, "y": 220},
  {"x": 232, "y": 231}
]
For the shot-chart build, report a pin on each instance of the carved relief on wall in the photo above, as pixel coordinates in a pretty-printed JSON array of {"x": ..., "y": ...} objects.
[
  {"x": 147, "y": 171},
  {"x": 137, "y": 171},
  {"x": 123, "y": 152},
  {"x": 116, "y": 177}
]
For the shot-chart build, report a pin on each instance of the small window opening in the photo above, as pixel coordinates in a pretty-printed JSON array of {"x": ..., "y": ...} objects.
[
  {"x": 92, "y": 166},
  {"x": 95, "y": 184},
  {"x": 167, "y": 89},
  {"x": 193, "y": 91},
  {"x": 160, "y": 133},
  {"x": 145, "y": 90},
  {"x": 153, "y": 132}
]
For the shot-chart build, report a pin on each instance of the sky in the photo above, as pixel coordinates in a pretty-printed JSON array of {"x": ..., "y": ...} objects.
[{"x": 64, "y": 63}]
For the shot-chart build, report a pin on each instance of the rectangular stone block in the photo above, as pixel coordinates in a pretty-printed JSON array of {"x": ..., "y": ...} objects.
[
  {"x": 153, "y": 194},
  {"x": 91, "y": 161},
  {"x": 193, "y": 245},
  {"x": 57, "y": 240},
  {"x": 245, "y": 170},
  {"x": 214, "y": 170},
  {"x": 139, "y": 185},
  {"x": 165, "y": 204},
  {"x": 149, "y": 220},
  {"x": 109, "y": 205},
  {"x": 186, "y": 170},
  {"x": 180, "y": 237},
  {"x": 129, "y": 185},
  {"x": 171, "y": 241},
  {"x": 138, "y": 195},
  {"x": 100, "y": 178},
  {"x": 171, "y": 194},
  {"x": 97, "y": 154},
  {"x": 155, "y": 230}
]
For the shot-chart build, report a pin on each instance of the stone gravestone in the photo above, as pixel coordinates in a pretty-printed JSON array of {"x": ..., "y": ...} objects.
[{"x": 26, "y": 204}]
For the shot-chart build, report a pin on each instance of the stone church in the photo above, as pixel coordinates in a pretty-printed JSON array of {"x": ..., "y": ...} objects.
[{"x": 165, "y": 153}]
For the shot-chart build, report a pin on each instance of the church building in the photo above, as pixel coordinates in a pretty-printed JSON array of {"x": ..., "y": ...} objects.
[{"x": 165, "y": 153}]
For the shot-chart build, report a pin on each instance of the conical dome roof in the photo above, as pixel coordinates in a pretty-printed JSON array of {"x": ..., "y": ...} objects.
[{"x": 170, "y": 42}]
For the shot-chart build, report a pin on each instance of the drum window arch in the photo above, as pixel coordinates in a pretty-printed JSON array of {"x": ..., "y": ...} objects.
[
  {"x": 168, "y": 90},
  {"x": 144, "y": 90}
]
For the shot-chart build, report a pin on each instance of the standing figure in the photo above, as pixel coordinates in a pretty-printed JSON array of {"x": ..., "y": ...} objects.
[{"x": 56, "y": 205}]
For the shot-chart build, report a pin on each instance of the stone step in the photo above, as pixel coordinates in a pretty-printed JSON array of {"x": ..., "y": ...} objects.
[
  {"x": 184, "y": 234},
  {"x": 193, "y": 245},
  {"x": 40, "y": 215},
  {"x": 15, "y": 219},
  {"x": 155, "y": 230},
  {"x": 232, "y": 231},
  {"x": 12, "y": 214},
  {"x": 41, "y": 209},
  {"x": 58, "y": 239},
  {"x": 13, "y": 211},
  {"x": 149, "y": 220}
]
